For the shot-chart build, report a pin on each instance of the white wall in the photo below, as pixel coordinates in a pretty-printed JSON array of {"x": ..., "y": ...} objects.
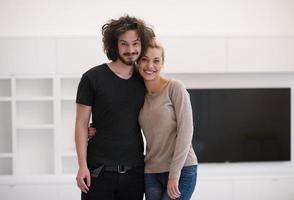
[
  {"x": 242, "y": 43},
  {"x": 200, "y": 17}
]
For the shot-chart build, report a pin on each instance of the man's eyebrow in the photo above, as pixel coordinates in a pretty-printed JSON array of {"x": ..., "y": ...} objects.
[{"x": 136, "y": 40}]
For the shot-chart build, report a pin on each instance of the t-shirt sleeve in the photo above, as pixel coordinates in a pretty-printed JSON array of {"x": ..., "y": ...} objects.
[{"x": 85, "y": 93}]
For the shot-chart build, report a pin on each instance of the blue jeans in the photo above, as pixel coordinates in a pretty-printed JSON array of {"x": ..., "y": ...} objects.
[{"x": 155, "y": 184}]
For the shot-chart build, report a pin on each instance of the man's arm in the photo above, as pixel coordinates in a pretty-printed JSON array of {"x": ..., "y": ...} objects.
[{"x": 83, "y": 114}]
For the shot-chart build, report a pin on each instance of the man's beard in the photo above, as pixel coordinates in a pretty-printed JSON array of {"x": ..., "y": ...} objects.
[{"x": 128, "y": 62}]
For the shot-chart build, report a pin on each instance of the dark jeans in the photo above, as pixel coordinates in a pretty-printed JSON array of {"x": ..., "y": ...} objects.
[
  {"x": 115, "y": 186},
  {"x": 155, "y": 184}
]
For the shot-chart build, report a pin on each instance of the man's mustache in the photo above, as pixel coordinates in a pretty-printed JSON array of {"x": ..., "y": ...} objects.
[{"x": 131, "y": 54}]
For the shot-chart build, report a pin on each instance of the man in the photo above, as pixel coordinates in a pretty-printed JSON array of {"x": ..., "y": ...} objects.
[{"x": 111, "y": 164}]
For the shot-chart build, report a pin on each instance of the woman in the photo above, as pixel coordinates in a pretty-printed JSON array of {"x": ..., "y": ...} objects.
[{"x": 167, "y": 123}]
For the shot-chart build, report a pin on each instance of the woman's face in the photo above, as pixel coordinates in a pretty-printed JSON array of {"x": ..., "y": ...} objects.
[{"x": 151, "y": 64}]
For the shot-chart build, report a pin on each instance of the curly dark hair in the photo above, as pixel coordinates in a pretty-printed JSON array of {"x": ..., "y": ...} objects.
[{"x": 114, "y": 28}]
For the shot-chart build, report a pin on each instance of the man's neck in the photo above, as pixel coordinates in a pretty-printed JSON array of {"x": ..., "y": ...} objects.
[{"x": 120, "y": 69}]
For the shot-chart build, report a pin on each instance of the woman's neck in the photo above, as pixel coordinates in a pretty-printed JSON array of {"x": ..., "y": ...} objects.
[{"x": 156, "y": 85}]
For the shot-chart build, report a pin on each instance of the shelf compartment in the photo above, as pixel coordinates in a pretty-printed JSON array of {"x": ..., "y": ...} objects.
[
  {"x": 34, "y": 152},
  {"x": 34, "y": 126},
  {"x": 69, "y": 164},
  {"x": 68, "y": 87},
  {"x": 5, "y": 127},
  {"x": 5, "y": 166},
  {"x": 5, "y": 88},
  {"x": 34, "y": 113},
  {"x": 38, "y": 87},
  {"x": 45, "y": 98},
  {"x": 67, "y": 124}
]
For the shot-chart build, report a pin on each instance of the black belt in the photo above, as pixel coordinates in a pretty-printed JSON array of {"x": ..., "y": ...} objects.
[{"x": 120, "y": 169}]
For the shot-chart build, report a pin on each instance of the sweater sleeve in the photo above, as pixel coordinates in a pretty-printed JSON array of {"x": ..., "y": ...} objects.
[{"x": 183, "y": 111}]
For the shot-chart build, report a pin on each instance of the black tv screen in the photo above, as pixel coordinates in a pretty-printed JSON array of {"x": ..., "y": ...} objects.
[{"x": 241, "y": 125}]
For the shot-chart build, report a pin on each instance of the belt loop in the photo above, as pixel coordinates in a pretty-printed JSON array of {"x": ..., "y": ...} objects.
[{"x": 121, "y": 169}]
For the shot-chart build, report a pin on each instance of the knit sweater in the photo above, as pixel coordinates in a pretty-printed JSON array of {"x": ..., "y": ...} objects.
[{"x": 167, "y": 123}]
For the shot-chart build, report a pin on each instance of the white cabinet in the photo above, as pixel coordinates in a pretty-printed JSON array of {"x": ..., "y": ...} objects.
[
  {"x": 47, "y": 191},
  {"x": 6, "y": 192},
  {"x": 257, "y": 187},
  {"x": 192, "y": 54},
  {"x": 68, "y": 192},
  {"x": 260, "y": 54},
  {"x": 33, "y": 192},
  {"x": 184, "y": 54},
  {"x": 264, "y": 189},
  {"x": 78, "y": 54},
  {"x": 213, "y": 189},
  {"x": 196, "y": 54},
  {"x": 37, "y": 191},
  {"x": 21, "y": 55},
  {"x": 254, "y": 189}
]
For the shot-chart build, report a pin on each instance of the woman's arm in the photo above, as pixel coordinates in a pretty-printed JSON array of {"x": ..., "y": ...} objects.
[{"x": 184, "y": 117}]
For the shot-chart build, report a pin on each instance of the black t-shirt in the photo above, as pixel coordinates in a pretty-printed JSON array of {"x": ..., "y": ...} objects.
[{"x": 116, "y": 104}]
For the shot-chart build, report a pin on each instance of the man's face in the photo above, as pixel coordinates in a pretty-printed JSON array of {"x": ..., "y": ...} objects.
[{"x": 129, "y": 47}]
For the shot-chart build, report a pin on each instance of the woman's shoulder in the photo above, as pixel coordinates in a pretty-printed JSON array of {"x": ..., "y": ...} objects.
[{"x": 176, "y": 85}]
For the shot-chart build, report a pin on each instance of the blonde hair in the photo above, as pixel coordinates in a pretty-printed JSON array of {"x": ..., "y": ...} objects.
[{"x": 155, "y": 43}]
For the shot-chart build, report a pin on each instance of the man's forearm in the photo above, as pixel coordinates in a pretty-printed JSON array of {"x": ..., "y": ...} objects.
[{"x": 81, "y": 139}]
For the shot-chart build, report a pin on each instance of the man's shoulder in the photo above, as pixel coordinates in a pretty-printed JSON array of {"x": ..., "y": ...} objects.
[{"x": 94, "y": 71}]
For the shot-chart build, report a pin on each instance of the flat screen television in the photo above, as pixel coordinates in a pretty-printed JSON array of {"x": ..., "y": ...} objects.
[{"x": 241, "y": 124}]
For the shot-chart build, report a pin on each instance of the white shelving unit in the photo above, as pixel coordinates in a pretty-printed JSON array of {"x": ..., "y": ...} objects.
[
  {"x": 6, "y": 164},
  {"x": 37, "y": 126},
  {"x": 34, "y": 153},
  {"x": 67, "y": 93},
  {"x": 37, "y": 151},
  {"x": 34, "y": 126},
  {"x": 5, "y": 127}
]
